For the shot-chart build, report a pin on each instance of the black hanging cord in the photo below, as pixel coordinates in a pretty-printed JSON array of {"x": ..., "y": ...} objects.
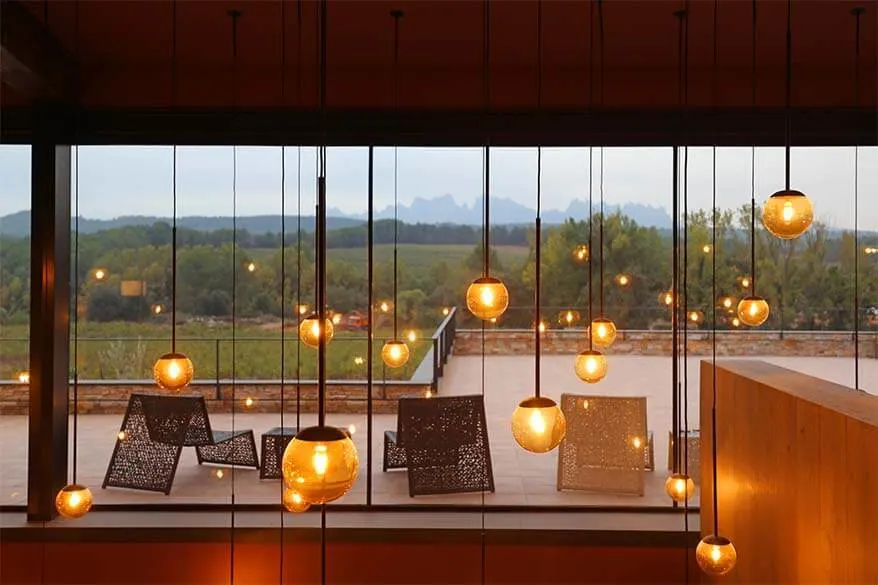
[
  {"x": 283, "y": 264},
  {"x": 789, "y": 83},
  {"x": 601, "y": 176},
  {"x": 75, "y": 276},
  {"x": 684, "y": 444},
  {"x": 397, "y": 15},
  {"x": 590, "y": 174},
  {"x": 370, "y": 266},
  {"x": 298, "y": 215},
  {"x": 713, "y": 268},
  {"x": 857, "y": 13},
  {"x": 538, "y": 225},
  {"x": 675, "y": 261},
  {"x": 321, "y": 276},
  {"x": 487, "y": 152},
  {"x": 174, "y": 81},
  {"x": 753, "y": 163}
]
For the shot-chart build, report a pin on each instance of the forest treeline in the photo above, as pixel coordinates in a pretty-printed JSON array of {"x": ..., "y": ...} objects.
[{"x": 808, "y": 282}]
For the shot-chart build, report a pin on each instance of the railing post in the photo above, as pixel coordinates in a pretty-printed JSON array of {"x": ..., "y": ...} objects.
[
  {"x": 219, "y": 393},
  {"x": 434, "y": 383}
]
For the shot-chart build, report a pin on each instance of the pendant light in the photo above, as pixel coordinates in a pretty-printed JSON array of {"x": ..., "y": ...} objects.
[
  {"x": 788, "y": 213},
  {"x": 74, "y": 500},
  {"x": 321, "y": 462},
  {"x": 590, "y": 365},
  {"x": 753, "y": 310},
  {"x": 602, "y": 330},
  {"x": 538, "y": 425},
  {"x": 715, "y": 554},
  {"x": 173, "y": 370},
  {"x": 395, "y": 352},
  {"x": 679, "y": 486},
  {"x": 487, "y": 297}
]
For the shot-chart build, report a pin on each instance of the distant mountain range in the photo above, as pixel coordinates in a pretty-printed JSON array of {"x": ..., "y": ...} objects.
[
  {"x": 439, "y": 210},
  {"x": 445, "y": 209}
]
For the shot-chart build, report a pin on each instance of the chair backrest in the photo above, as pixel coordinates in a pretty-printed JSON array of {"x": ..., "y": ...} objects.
[
  {"x": 176, "y": 419},
  {"x": 604, "y": 446},
  {"x": 440, "y": 423}
]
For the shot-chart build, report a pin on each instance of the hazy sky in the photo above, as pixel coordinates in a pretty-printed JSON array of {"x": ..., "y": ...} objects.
[{"x": 135, "y": 180}]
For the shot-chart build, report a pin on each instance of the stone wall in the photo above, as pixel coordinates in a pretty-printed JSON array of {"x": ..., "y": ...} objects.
[
  {"x": 658, "y": 343},
  {"x": 342, "y": 397}
]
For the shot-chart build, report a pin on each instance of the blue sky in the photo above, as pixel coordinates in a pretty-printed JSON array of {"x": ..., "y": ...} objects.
[{"x": 135, "y": 180}]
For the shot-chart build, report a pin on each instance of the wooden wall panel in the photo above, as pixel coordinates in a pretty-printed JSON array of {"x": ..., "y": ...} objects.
[{"x": 797, "y": 474}]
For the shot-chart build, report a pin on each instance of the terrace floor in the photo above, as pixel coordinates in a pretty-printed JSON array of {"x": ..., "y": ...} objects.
[{"x": 521, "y": 478}]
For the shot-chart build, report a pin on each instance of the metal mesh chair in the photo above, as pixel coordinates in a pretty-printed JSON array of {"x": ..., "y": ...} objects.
[
  {"x": 604, "y": 447},
  {"x": 444, "y": 444},
  {"x": 154, "y": 431}
]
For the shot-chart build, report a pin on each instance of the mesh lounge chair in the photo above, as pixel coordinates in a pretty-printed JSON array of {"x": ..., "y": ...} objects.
[
  {"x": 443, "y": 442},
  {"x": 154, "y": 431},
  {"x": 604, "y": 447}
]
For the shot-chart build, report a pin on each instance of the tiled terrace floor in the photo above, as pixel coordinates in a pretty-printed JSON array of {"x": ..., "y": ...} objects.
[{"x": 521, "y": 478}]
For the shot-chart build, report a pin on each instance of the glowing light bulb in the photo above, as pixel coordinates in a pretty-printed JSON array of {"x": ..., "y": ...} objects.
[
  {"x": 706, "y": 249},
  {"x": 358, "y": 361},
  {"x": 428, "y": 394},
  {"x": 727, "y": 302},
  {"x": 745, "y": 282},
  {"x": 157, "y": 309},
  {"x": 174, "y": 370},
  {"x": 569, "y": 317},
  {"x": 352, "y": 429},
  {"x": 100, "y": 274},
  {"x": 248, "y": 402},
  {"x": 320, "y": 460},
  {"x": 602, "y": 330},
  {"x": 445, "y": 311},
  {"x": 121, "y": 436},
  {"x": 251, "y": 267},
  {"x": 384, "y": 307},
  {"x": 487, "y": 297},
  {"x": 542, "y": 327},
  {"x": 736, "y": 322},
  {"x": 412, "y": 336},
  {"x": 24, "y": 377},
  {"x": 787, "y": 214},
  {"x": 302, "y": 309},
  {"x": 219, "y": 473},
  {"x": 679, "y": 487},
  {"x": 395, "y": 352},
  {"x": 336, "y": 319},
  {"x": 536, "y": 422},
  {"x": 315, "y": 329},
  {"x": 637, "y": 442}
]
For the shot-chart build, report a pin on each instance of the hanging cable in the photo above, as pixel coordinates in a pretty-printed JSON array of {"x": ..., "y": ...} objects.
[
  {"x": 321, "y": 242},
  {"x": 174, "y": 81},
  {"x": 538, "y": 223},
  {"x": 298, "y": 215},
  {"x": 753, "y": 161},
  {"x": 590, "y": 175},
  {"x": 685, "y": 402},
  {"x": 675, "y": 268},
  {"x": 487, "y": 176},
  {"x": 857, "y": 13},
  {"x": 601, "y": 175},
  {"x": 283, "y": 269},
  {"x": 396, "y": 14},
  {"x": 234, "y": 15},
  {"x": 789, "y": 102}
]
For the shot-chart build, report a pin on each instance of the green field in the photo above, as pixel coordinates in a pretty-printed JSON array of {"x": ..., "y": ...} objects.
[{"x": 126, "y": 351}]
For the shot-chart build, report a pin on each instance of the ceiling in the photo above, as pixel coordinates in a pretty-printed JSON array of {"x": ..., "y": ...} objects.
[{"x": 123, "y": 51}]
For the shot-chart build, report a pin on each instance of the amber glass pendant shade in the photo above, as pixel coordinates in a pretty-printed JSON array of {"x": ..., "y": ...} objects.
[
  {"x": 293, "y": 502},
  {"x": 787, "y": 214},
  {"x": 591, "y": 366},
  {"x": 679, "y": 487},
  {"x": 173, "y": 371},
  {"x": 395, "y": 353},
  {"x": 538, "y": 425},
  {"x": 753, "y": 311},
  {"x": 487, "y": 298},
  {"x": 309, "y": 330},
  {"x": 603, "y": 332},
  {"x": 73, "y": 501},
  {"x": 321, "y": 464},
  {"x": 716, "y": 555}
]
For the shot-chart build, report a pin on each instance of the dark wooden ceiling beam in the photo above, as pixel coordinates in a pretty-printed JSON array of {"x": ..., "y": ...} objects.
[
  {"x": 32, "y": 61},
  {"x": 729, "y": 127}
]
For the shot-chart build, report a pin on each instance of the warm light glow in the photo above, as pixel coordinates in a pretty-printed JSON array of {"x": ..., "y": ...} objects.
[
  {"x": 384, "y": 306},
  {"x": 745, "y": 282},
  {"x": 753, "y": 311},
  {"x": 542, "y": 326},
  {"x": 727, "y": 302},
  {"x": 293, "y": 502},
  {"x": 705, "y": 248},
  {"x": 736, "y": 322},
  {"x": 73, "y": 501},
  {"x": 538, "y": 425},
  {"x": 590, "y": 366},
  {"x": 100, "y": 274},
  {"x": 871, "y": 251},
  {"x": 321, "y": 464},
  {"x": 568, "y": 317},
  {"x": 637, "y": 442},
  {"x": 446, "y": 311},
  {"x": 603, "y": 332},
  {"x": 580, "y": 253},
  {"x": 121, "y": 435},
  {"x": 716, "y": 555},
  {"x": 24, "y": 377},
  {"x": 395, "y": 353},
  {"x": 251, "y": 267},
  {"x": 412, "y": 336},
  {"x": 352, "y": 429},
  {"x": 309, "y": 330},
  {"x": 157, "y": 309},
  {"x": 487, "y": 298},
  {"x": 358, "y": 361},
  {"x": 302, "y": 309},
  {"x": 220, "y": 473},
  {"x": 336, "y": 318},
  {"x": 679, "y": 487},
  {"x": 695, "y": 317},
  {"x": 428, "y": 394},
  {"x": 248, "y": 402},
  {"x": 787, "y": 214},
  {"x": 173, "y": 371},
  {"x": 666, "y": 298},
  {"x": 623, "y": 279}
]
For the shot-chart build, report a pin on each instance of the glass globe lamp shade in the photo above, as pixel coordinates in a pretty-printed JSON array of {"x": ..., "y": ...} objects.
[
  {"x": 753, "y": 311},
  {"x": 321, "y": 464},
  {"x": 590, "y": 366},
  {"x": 293, "y": 501},
  {"x": 538, "y": 424},
  {"x": 309, "y": 330},
  {"x": 173, "y": 371},
  {"x": 487, "y": 298},
  {"x": 73, "y": 501},
  {"x": 716, "y": 555},
  {"x": 787, "y": 214},
  {"x": 580, "y": 253},
  {"x": 568, "y": 318},
  {"x": 603, "y": 332},
  {"x": 395, "y": 353},
  {"x": 695, "y": 317},
  {"x": 679, "y": 487}
]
